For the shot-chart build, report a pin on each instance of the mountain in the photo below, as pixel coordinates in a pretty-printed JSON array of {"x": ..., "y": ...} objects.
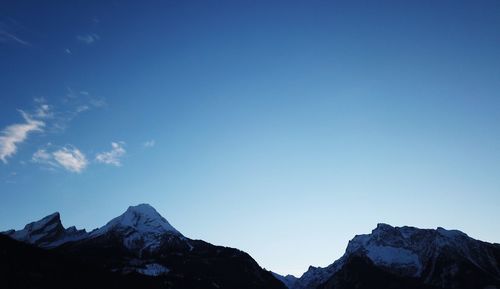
[
  {"x": 47, "y": 232},
  {"x": 140, "y": 243},
  {"x": 408, "y": 257},
  {"x": 141, "y": 249}
]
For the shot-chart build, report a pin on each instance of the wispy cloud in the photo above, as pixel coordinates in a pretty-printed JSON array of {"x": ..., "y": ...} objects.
[
  {"x": 82, "y": 108},
  {"x": 112, "y": 157},
  {"x": 44, "y": 111},
  {"x": 9, "y": 32},
  {"x": 6, "y": 37},
  {"x": 73, "y": 104},
  {"x": 83, "y": 97},
  {"x": 41, "y": 156},
  {"x": 70, "y": 158},
  {"x": 98, "y": 102},
  {"x": 9, "y": 178},
  {"x": 15, "y": 134},
  {"x": 88, "y": 38},
  {"x": 149, "y": 143}
]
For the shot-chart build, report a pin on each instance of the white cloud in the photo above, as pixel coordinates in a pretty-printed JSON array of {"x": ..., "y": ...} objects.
[
  {"x": 149, "y": 143},
  {"x": 71, "y": 159},
  {"x": 15, "y": 134},
  {"x": 113, "y": 156},
  {"x": 68, "y": 51},
  {"x": 88, "y": 38}
]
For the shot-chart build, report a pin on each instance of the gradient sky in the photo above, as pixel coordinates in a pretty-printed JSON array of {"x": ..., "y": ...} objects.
[{"x": 282, "y": 128}]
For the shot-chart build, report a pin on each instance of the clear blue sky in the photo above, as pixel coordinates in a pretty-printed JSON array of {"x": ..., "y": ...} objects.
[{"x": 282, "y": 128}]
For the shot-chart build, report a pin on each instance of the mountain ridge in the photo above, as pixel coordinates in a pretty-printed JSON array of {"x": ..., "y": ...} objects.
[
  {"x": 141, "y": 241},
  {"x": 411, "y": 255}
]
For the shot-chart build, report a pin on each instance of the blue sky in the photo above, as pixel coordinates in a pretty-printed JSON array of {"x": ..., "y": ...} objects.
[{"x": 282, "y": 128}]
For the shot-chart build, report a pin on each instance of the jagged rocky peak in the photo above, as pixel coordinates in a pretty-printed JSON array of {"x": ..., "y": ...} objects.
[
  {"x": 47, "y": 232},
  {"x": 49, "y": 223}
]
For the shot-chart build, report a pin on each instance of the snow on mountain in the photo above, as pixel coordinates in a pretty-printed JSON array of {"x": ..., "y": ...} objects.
[
  {"x": 403, "y": 251},
  {"x": 143, "y": 218},
  {"x": 141, "y": 227},
  {"x": 153, "y": 269},
  {"x": 47, "y": 232},
  {"x": 390, "y": 247},
  {"x": 406, "y": 251}
]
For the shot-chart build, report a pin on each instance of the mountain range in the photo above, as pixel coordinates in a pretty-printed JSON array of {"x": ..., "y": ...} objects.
[{"x": 141, "y": 249}]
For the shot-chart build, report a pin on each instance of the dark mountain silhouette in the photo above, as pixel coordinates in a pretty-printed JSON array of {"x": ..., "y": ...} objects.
[
  {"x": 138, "y": 249},
  {"x": 141, "y": 249}
]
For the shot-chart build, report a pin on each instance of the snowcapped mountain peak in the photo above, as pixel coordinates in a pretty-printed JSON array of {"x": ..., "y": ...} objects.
[
  {"x": 142, "y": 218},
  {"x": 140, "y": 227},
  {"x": 145, "y": 210}
]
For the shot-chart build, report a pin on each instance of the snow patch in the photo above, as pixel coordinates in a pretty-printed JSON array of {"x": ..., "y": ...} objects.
[
  {"x": 383, "y": 255},
  {"x": 153, "y": 269}
]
